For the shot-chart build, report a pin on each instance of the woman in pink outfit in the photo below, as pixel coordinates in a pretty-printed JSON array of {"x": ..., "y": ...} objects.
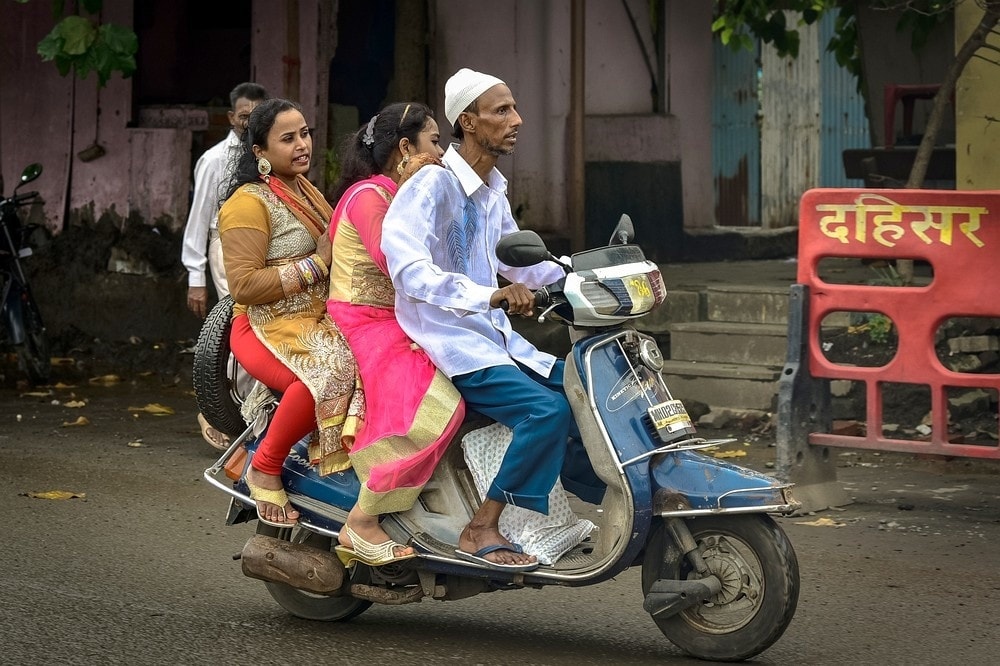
[{"x": 412, "y": 409}]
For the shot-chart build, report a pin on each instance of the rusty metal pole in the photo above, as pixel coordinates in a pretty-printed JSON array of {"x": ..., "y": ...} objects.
[{"x": 575, "y": 168}]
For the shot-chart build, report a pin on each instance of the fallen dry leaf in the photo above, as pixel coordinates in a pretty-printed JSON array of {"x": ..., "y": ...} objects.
[
  {"x": 153, "y": 408},
  {"x": 735, "y": 453},
  {"x": 54, "y": 495},
  {"x": 821, "y": 522},
  {"x": 62, "y": 360},
  {"x": 135, "y": 444},
  {"x": 36, "y": 394},
  {"x": 80, "y": 421},
  {"x": 62, "y": 386},
  {"x": 75, "y": 403},
  {"x": 105, "y": 379}
]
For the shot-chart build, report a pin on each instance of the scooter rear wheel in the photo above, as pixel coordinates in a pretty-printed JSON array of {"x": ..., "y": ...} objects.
[
  {"x": 307, "y": 605},
  {"x": 755, "y": 561},
  {"x": 214, "y": 372}
]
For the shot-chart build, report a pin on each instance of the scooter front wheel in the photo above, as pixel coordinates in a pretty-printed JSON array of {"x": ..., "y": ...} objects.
[
  {"x": 307, "y": 605},
  {"x": 33, "y": 353},
  {"x": 754, "y": 560}
]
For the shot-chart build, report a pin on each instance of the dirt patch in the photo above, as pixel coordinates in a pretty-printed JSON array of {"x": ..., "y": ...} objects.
[{"x": 963, "y": 345}]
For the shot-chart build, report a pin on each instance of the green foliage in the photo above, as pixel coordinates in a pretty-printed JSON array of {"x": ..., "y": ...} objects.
[
  {"x": 879, "y": 328},
  {"x": 844, "y": 42},
  {"x": 85, "y": 45},
  {"x": 740, "y": 23},
  {"x": 921, "y": 20}
]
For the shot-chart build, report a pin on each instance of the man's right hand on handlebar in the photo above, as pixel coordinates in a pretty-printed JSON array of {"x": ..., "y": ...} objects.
[{"x": 520, "y": 300}]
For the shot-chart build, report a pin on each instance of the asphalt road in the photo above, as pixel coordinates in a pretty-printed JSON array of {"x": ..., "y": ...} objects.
[{"x": 140, "y": 571}]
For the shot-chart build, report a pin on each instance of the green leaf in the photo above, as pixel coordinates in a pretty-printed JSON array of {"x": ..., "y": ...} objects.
[
  {"x": 118, "y": 39},
  {"x": 50, "y": 46},
  {"x": 77, "y": 33}
]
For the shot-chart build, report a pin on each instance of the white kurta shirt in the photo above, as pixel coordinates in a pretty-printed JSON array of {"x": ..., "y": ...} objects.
[
  {"x": 210, "y": 174},
  {"x": 439, "y": 237}
]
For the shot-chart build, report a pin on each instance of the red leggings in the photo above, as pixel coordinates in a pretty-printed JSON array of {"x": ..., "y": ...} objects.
[{"x": 296, "y": 414}]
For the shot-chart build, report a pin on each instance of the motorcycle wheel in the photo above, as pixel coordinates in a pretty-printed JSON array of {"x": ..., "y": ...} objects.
[
  {"x": 755, "y": 561},
  {"x": 307, "y": 605},
  {"x": 214, "y": 372},
  {"x": 34, "y": 353}
]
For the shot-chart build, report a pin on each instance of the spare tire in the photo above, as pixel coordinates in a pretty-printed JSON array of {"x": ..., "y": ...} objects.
[{"x": 215, "y": 372}]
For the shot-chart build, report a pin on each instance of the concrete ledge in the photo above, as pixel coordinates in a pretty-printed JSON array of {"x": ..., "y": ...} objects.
[
  {"x": 726, "y": 342},
  {"x": 748, "y": 303},
  {"x": 726, "y": 385}
]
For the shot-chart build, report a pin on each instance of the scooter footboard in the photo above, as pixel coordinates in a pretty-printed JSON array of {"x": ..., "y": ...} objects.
[{"x": 688, "y": 483}]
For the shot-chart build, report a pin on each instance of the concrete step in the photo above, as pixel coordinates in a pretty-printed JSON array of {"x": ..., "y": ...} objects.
[
  {"x": 723, "y": 384},
  {"x": 680, "y": 306},
  {"x": 751, "y": 304},
  {"x": 726, "y": 342}
]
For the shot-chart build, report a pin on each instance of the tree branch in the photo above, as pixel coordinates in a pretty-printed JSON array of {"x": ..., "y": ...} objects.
[{"x": 975, "y": 41}]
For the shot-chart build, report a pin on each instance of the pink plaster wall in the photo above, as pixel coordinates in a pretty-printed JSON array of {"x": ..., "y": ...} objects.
[
  {"x": 689, "y": 73},
  {"x": 34, "y": 107},
  {"x": 288, "y": 64},
  {"x": 527, "y": 44}
]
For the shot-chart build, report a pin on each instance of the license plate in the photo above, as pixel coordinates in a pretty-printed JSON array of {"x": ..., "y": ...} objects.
[{"x": 669, "y": 416}]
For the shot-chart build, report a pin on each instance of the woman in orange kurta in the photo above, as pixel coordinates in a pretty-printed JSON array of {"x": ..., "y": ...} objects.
[
  {"x": 412, "y": 410},
  {"x": 277, "y": 253}
]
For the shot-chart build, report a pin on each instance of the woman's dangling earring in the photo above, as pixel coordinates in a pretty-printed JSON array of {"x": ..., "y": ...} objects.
[
  {"x": 402, "y": 164},
  {"x": 263, "y": 167}
]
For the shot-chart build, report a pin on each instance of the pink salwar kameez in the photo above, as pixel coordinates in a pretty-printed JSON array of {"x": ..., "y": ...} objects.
[{"x": 413, "y": 410}]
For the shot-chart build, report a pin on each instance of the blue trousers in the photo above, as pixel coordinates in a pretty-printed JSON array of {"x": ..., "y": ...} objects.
[{"x": 546, "y": 443}]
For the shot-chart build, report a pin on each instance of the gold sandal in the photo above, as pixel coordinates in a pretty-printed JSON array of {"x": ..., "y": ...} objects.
[
  {"x": 275, "y": 497},
  {"x": 366, "y": 552},
  {"x": 215, "y": 439}
]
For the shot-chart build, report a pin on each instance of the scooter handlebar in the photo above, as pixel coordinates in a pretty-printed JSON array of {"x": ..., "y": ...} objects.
[
  {"x": 542, "y": 298},
  {"x": 19, "y": 199}
]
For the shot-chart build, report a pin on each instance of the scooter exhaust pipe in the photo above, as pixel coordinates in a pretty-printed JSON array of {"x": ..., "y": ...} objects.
[{"x": 297, "y": 565}]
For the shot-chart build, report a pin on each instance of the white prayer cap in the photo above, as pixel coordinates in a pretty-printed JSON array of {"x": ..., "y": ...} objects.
[{"x": 463, "y": 88}]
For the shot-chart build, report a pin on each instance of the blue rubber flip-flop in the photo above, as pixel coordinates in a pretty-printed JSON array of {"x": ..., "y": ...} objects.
[{"x": 478, "y": 558}]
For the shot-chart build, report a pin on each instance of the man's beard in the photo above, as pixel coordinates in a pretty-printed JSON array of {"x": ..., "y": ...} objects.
[{"x": 495, "y": 150}]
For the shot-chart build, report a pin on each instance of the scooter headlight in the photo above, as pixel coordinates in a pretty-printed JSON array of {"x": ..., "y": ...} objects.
[{"x": 633, "y": 294}]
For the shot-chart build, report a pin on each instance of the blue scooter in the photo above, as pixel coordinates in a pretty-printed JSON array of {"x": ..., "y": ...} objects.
[{"x": 719, "y": 576}]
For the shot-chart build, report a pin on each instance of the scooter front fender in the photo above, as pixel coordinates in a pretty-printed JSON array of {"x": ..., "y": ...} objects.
[{"x": 689, "y": 483}]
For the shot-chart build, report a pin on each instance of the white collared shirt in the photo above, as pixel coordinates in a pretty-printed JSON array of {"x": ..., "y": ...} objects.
[
  {"x": 445, "y": 270},
  {"x": 210, "y": 176}
]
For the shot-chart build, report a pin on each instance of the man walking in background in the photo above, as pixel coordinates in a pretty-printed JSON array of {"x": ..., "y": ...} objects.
[{"x": 201, "y": 246}]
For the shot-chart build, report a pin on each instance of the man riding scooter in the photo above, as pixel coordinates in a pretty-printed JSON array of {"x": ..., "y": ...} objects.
[{"x": 438, "y": 236}]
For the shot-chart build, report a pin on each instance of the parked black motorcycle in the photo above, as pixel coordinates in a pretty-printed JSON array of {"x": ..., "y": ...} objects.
[{"x": 22, "y": 327}]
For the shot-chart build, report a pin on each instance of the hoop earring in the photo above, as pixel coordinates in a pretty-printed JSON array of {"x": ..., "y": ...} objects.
[
  {"x": 263, "y": 167},
  {"x": 402, "y": 164}
]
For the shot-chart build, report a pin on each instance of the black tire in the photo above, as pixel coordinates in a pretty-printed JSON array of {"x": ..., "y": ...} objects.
[
  {"x": 34, "y": 354},
  {"x": 215, "y": 388},
  {"x": 760, "y": 575},
  {"x": 307, "y": 605}
]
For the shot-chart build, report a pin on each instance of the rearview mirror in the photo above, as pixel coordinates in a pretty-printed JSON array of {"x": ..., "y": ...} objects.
[
  {"x": 522, "y": 248},
  {"x": 31, "y": 172},
  {"x": 624, "y": 231}
]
